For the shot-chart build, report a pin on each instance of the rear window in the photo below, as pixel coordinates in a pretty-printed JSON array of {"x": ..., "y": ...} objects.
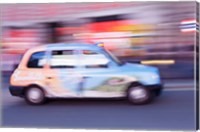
[{"x": 36, "y": 60}]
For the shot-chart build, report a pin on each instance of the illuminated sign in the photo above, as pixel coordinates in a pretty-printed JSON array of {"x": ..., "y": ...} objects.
[{"x": 189, "y": 25}]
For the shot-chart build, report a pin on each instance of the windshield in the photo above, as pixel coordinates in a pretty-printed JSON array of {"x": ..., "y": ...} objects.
[{"x": 114, "y": 58}]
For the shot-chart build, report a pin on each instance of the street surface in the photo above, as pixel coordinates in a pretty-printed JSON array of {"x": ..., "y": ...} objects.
[{"x": 173, "y": 110}]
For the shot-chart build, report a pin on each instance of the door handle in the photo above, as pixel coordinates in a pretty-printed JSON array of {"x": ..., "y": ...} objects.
[{"x": 49, "y": 77}]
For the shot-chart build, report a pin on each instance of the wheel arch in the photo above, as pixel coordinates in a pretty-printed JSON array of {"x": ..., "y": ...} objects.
[
  {"x": 133, "y": 84},
  {"x": 33, "y": 85}
]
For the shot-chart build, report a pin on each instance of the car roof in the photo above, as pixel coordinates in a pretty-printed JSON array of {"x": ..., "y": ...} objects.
[{"x": 72, "y": 46}]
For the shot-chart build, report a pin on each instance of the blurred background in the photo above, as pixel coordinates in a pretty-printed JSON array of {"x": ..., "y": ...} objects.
[{"x": 162, "y": 34}]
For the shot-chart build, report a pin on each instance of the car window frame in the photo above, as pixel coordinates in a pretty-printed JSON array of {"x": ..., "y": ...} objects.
[
  {"x": 49, "y": 54},
  {"x": 109, "y": 65},
  {"x": 27, "y": 62}
]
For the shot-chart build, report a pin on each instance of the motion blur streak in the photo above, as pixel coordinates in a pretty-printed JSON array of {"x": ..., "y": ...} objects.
[{"x": 158, "y": 62}]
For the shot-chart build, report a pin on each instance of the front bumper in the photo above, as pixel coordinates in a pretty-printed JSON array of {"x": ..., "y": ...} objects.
[
  {"x": 156, "y": 88},
  {"x": 16, "y": 91}
]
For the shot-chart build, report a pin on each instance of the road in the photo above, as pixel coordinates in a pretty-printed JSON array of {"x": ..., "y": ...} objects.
[{"x": 173, "y": 110}]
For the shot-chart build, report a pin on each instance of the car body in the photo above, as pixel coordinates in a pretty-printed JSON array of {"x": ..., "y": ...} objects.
[{"x": 81, "y": 71}]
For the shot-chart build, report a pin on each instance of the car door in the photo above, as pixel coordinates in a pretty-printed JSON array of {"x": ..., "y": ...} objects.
[
  {"x": 62, "y": 76},
  {"x": 100, "y": 75}
]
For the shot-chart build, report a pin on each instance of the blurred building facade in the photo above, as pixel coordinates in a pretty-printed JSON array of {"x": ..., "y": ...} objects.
[{"x": 131, "y": 30}]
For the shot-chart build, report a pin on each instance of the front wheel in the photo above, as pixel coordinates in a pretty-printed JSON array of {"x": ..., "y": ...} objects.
[
  {"x": 139, "y": 95},
  {"x": 35, "y": 96}
]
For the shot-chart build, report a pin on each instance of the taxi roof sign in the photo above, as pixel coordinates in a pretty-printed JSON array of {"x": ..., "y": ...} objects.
[{"x": 99, "y": 44}]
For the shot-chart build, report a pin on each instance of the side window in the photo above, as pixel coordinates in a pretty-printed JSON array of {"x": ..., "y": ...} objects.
[
  {"x": 91, "y": 59},
  {"x": 63, "y": 59},
  {"x": 36, "y": 60}
]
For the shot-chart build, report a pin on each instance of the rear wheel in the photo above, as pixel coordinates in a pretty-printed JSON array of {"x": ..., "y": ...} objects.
[
  {"x": 139, "y": 95},
  {"x": 35, "y": 96}
]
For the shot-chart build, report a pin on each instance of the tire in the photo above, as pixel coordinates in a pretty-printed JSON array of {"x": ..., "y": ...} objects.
[
  {"x": 34, "y": 95},
  {"x": 139, "y": 95}
]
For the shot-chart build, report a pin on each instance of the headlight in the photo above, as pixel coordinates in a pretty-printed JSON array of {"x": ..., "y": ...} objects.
[{"x": 154, "y": 76}]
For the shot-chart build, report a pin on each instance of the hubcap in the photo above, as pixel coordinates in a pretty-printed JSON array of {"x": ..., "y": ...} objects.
[
  {"x": 35, "y": 95},
  {"x": 138, "y": 93}
]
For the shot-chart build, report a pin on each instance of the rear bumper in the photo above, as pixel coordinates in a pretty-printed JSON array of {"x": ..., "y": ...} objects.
[{"x": 16, "y": 91}]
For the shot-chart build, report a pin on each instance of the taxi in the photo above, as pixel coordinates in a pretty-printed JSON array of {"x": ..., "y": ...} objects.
[{"x": 78, "y": 70}]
